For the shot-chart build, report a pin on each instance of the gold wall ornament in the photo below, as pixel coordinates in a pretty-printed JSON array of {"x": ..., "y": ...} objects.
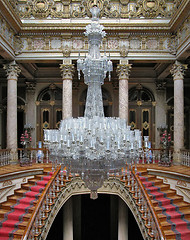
[
  {"x": 151, "y": 8},
  {"x": 124, "y": 51},
  {"x": 66, "y": 51}
]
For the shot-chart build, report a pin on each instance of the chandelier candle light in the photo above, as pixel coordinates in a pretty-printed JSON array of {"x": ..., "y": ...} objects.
[{"x": 94, "y": 147}]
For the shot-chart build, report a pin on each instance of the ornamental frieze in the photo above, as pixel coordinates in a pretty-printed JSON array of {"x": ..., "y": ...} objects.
[
  {"x": 59, "y": 9},
  {"x": 132, "y": 43}
]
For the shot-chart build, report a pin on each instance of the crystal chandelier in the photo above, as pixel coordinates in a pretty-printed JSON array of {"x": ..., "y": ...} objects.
[{"x": 93, "y": 147}]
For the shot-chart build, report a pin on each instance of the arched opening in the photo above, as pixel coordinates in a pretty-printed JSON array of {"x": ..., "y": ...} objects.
[
  {"x": 101, "y": 219},
  {"x": 142, "y": 111},
  {"x": 49, "y": 109}
]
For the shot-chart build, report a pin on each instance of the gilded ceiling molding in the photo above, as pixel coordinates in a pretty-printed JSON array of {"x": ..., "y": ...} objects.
[
  {"x": 151, "y": 8},
  {"x": 41, "y": 9}
]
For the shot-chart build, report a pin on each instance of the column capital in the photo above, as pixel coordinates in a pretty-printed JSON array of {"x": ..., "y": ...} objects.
[
  {"x": 30, "y": 87},
  {"x": 12, "y": 70},
  {"x": 123, "y": 70},
  {"x": 67, "y": 69},
  {"x": 178, "y": 70}
]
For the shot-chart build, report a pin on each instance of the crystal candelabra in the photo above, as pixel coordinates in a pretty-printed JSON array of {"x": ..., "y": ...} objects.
[{"x": 93, "y": 146}]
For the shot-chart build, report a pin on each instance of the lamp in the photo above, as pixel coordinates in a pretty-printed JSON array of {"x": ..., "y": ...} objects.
[{"x": 93, "y": 146}]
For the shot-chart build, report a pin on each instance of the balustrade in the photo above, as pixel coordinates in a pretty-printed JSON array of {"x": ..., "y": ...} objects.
[
  {"x": 185, "y": 156},
  {"x": 5, "y": 157},
  {"x": 27, "y": 156}
]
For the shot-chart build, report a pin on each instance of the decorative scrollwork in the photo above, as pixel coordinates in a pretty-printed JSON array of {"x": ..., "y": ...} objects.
[
  {"x": 86, "y": 5},
  {"x": 151, "y": 8}
]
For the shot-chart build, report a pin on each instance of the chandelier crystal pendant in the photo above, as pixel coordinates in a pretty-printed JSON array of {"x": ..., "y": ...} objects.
[{"x": 94, "y": 147}]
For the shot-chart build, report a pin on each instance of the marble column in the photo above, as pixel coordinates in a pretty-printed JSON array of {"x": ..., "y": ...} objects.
[
  {"x": 12, "y": 71},
  {"x": 177, "y": 72},
  {"x": 123, "y": 70},
  {"x": 31, "y": 109},
  {"x": 67, "y": 69},
  {"x": 122, "y": 220},
  {"x": 68, "y": 220}
]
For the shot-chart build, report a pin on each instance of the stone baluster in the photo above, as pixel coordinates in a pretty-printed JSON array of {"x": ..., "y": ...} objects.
[
  {"x": 12, "y": 71},
  {"x": 177, "y": 72},
  {"x": 67, "y": 72},
  {"x": 123, "y": 70}
]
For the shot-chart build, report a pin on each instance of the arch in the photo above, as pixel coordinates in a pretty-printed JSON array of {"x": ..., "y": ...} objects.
[
  {"x": 140, "y": 93},
  {"x": 54, "y": 92},
  {"x": 112, "y": 186},
  {"x": 49, "y": 109}
]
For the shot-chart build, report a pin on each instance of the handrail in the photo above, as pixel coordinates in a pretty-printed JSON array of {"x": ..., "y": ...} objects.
[
  {"x": 5, "y": 150},
  {"x": 39, "y": 204},
  {"x": 150, "y": 205}
]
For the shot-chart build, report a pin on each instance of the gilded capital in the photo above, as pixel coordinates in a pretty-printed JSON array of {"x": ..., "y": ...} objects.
[
  {"x": 67, "y": 69},
  {"x": 123, "y": 71},
  {"x": 31, "y": 87},
  {"x": 178, "y": 70},
  {"x": 12, "y": 70}
]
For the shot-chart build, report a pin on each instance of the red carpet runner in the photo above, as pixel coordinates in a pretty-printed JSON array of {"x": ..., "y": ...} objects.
[
  {"x": 12, "y": 219},
  {"x": 179, "y": 225}
]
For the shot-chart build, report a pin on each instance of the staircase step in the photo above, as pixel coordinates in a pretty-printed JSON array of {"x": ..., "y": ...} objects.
[
  {"x": 170, "y": 207},
  {"x": 18, "y": 234},
  {"x": 175, "y": 199},
  {"x": 169, "y": 193},
  {"x": 169, "y": 234}
]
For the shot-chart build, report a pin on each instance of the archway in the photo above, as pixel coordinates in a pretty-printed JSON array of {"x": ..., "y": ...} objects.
[
  {"x": 96, "y": 219},
  {"x": 111, "y": 187},
  {"x": 142, "y": 111},
  {"x": 49, "y": 109}
]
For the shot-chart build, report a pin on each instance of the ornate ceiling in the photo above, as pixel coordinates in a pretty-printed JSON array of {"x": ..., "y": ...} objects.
[
  {"x": 36, "y": 31},
  {"x": 109, "y": 9}
]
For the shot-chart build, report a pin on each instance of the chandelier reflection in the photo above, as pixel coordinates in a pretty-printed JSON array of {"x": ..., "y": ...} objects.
[{"x": 93, "y": 147}]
